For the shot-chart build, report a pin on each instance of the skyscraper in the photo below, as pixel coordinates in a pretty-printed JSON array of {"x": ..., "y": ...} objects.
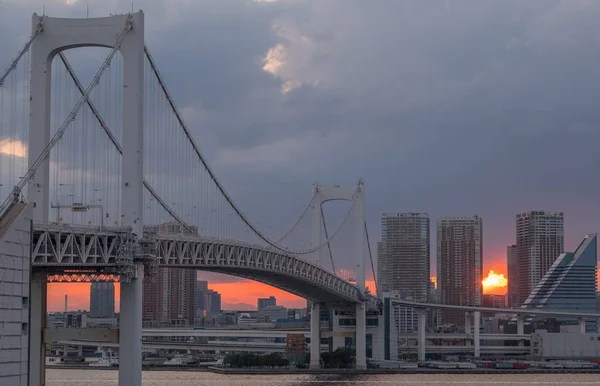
[
  {"x": 459, "y": 261},
  {"x": 201, "y": 289},
  {"x": 403, "y": 261},
  {"x": 171, "y": 296},
  {"x": 213, "y": 302},
  {"x": 513, "y": 276},
  {"x": 102, "y": 300},
  {"x": 540, "y": 240},
  {"x": 266, "y": 302}
]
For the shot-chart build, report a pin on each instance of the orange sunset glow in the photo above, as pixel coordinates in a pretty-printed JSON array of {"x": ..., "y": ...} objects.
[
  {"x": 495, "y": 283},
  {"x": 239, "y": 295}
]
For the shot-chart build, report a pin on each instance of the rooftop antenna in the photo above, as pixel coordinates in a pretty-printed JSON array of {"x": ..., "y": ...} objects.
[
  {"x": 132, "y": 7},
  {"x": 44, "y": 10},
  {"x": 87, "y": 13}
]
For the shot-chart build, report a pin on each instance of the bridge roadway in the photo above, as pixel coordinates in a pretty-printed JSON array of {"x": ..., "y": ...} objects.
[
  {"x": 58, "y": 247},
  {"x": 238, "y": 333},
  {"x": 221, "y": 333},
  {"x": 266, "y": 347},
  {"x": 514, "y": 311},
  {"x": 500, "y": 337},
  {"x": 468, "y": 349}
]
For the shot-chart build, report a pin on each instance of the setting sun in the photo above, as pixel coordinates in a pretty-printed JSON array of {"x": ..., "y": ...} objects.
[{"x": 494, "y": 282}]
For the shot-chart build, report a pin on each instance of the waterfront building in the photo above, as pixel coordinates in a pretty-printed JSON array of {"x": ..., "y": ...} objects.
[{"x": 570, "y": 284}]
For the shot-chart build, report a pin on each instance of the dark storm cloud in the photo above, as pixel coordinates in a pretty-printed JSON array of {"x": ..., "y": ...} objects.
[{"x": 444, "y": 106}]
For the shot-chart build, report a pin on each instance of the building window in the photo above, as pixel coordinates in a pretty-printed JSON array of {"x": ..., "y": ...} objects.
[{"x": 347, "y": 322}]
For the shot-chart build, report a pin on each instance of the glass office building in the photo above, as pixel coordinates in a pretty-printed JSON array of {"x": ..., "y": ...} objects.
[{"x": 570, "y": 284}]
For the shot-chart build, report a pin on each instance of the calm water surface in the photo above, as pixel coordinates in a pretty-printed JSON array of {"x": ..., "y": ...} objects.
[{"x": 170, "y": 378}]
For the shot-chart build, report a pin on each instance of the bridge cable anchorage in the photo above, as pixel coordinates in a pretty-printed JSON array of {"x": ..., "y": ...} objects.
[
  {"x": 371, "y": 256},
  {"x": 114, "y": 141},
  {"x": 289, "y": 231},
  {"x": 70, "y": 118},
  {"x": 212, "y": 175},
  {"x": 326, "y": 236},
  {"x": 13, "y": 65}
]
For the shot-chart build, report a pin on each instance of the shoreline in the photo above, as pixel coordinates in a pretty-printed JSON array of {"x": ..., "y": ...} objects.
[{"x": 421, "y": 370}]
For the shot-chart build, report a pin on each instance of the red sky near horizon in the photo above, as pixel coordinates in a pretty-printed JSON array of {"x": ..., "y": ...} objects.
[{"x": 240, "y": 295}]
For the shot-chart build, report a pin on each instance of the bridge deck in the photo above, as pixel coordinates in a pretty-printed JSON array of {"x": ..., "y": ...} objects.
[{"x": 59, "y": 248}]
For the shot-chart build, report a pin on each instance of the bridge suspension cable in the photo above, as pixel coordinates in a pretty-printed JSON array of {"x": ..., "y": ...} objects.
[
  {"x": 13, "y": 65},
  {"x": 114, "y": 141},
  {"x": 70, "y": 118},
  {"x": 214, "y": 178},
  {"x": 327, "y": 237},
  {"x": 371, "y": 256},
  {"x": 289, "y": 231}
]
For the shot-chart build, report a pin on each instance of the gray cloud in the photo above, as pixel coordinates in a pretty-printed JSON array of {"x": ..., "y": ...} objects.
[{"x": 450, "y": 107}]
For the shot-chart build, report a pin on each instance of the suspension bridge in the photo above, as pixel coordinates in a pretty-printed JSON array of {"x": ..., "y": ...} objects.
[{"x": 100, "y": 170}]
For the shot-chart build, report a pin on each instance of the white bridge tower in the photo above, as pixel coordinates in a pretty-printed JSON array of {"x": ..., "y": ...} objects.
[
  {"x": 354, "y": 194},
  {"x": 124, "y": 33}
]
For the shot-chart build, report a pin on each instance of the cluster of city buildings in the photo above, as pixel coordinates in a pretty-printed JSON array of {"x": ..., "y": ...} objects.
[
  {"x": 207, "y": 312},
  {"x": 540, "y": 273}
]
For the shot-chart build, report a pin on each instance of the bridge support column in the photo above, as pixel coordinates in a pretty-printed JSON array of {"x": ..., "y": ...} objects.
[
  {"x": 521, "y": 328},
  {"x": 582, "y": 325},
  {"x": 422, "y": 315},
  {"x": 361, "y": 335},
  {"x": 130, "y": 336},
  {"x": 37, "y": 323},
  {"x": 315, "y": 336},
  {"x": 476, "y": 338},
  {"x": 467, "y": 323}
]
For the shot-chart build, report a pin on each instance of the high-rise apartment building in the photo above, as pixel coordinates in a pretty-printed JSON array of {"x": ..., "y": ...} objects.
[
  {"x": 459, "y": 264},
  {"x": 170, "y": 298},
  {"x": 403, "y": 261},
  {"x": 540, "y": 240},
  {"x": 102, "y": 300},
  {"x": 155, "y": 302},
  {"x": 263, "y": 303},
  {"x": 513, "y": 276},
  {"x": 182, "y": 285},
  {"x": 403, "y": 254}
]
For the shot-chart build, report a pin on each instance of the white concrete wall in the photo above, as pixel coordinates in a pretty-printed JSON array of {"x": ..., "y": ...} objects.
[
  {"x": 565, "y": 345},
  {"x": 14, "y": 302}
]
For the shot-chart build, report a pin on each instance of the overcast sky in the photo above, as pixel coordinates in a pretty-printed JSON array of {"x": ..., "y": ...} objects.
[{"x": 450, "y": 107}]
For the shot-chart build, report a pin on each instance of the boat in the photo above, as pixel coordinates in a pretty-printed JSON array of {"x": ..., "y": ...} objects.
[
  {"x": 53, "y": 361},
  {"x": 179, "y": 360},
  {"x": 108, "y": 360}
]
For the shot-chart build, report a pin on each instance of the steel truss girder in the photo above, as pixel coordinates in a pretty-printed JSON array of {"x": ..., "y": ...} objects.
[
  {"x": 67, "y": 247},
  {"x": 82, "y": 253},
  {"x": 82, "y": 278},
  {"x": 211, "y": 253}
]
